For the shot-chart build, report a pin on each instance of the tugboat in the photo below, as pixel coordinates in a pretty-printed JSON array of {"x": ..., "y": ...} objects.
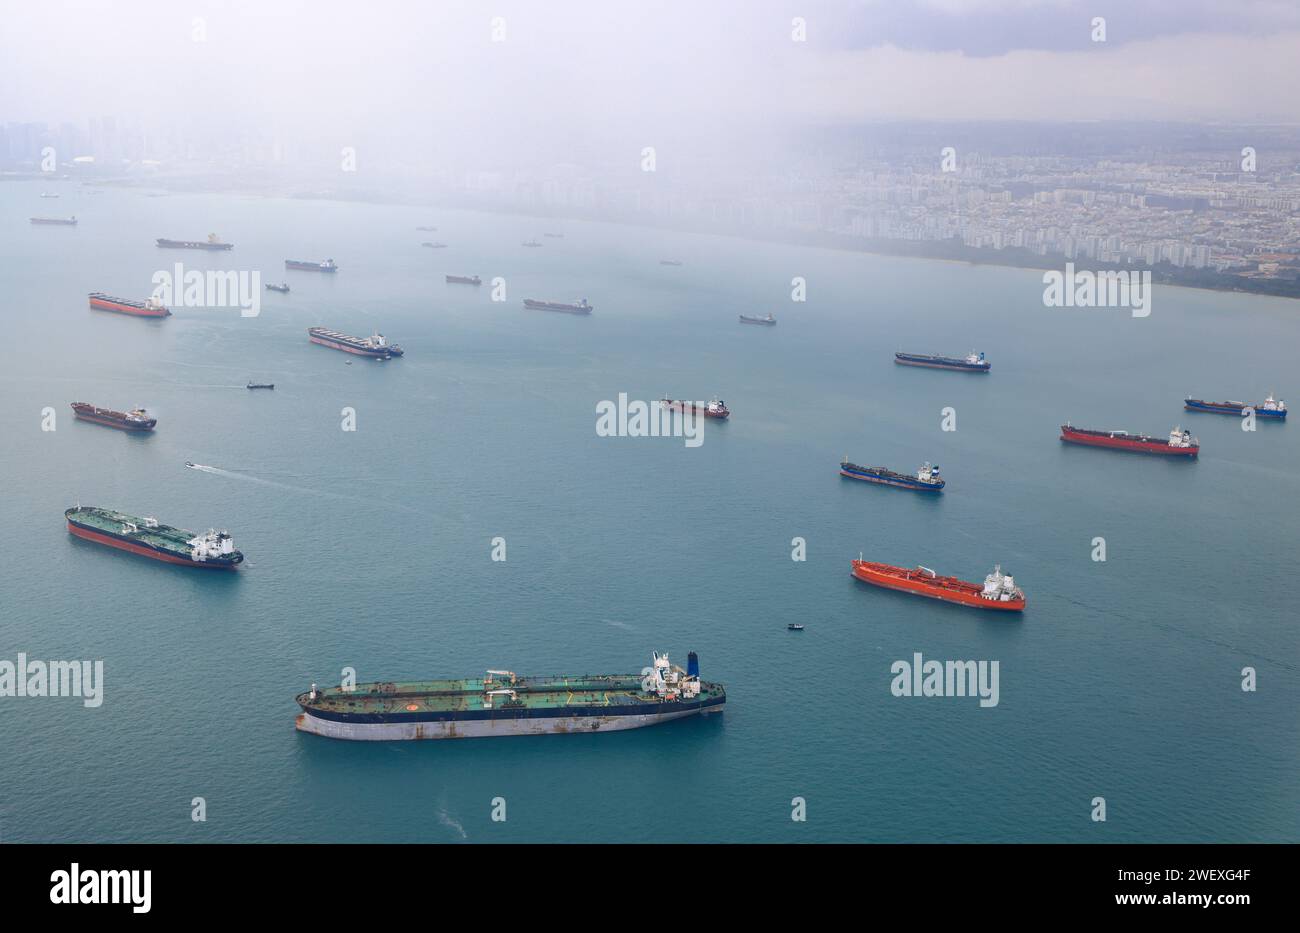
[
  {"x": 1180, "y": 442},
  {"x": 971, "y": 363},
  {"x": 769, "y": 320},
  {"x": 998, "y": 592},
  {"x": 927, "y": 478},
  {"x": 283, "y": 288},
  {"x": 1269, "y": 408},
  {"x": 717, "y": 408},
  {"x": 795, "y": 627}
]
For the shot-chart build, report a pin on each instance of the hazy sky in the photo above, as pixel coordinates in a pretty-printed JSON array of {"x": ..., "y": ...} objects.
[{"x": 569, "y": 65}]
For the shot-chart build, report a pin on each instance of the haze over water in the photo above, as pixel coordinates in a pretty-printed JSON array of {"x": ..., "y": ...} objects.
[{"x": 371, "y": 549}]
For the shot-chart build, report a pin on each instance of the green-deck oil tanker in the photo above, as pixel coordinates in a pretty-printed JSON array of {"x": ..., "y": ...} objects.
[
  {"x": 503, "y": 703},
  {"x": 147, "y": 537}
]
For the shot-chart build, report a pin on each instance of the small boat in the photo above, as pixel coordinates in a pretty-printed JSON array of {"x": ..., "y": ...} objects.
[
  {"x": 795, "y": 627},
  {"x": 769, "y": 320},
  {"x": 435, "y": 245},
  {"x": 190, "y": 464},
  {"x": 282, "y": 288},
  {"x": 261, "y": 385},
  {"x": 554, "y": 236},
  {"x": 531, "y": 243},
  {"x": 49, "y": 195}
]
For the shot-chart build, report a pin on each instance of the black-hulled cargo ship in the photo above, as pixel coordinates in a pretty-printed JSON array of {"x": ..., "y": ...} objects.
[
  {"x": 971, "y": 363},
  {"x": 210, "y": 243},
  {"x": 373, "y": 346},
  {"x": 137, "y": 419}
]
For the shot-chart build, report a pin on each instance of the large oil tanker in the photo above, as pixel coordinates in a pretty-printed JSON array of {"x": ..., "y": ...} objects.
[
  {"x": 464, "y": 280},
  {"x": 770, "y": 321},
  {"x": 1180, "y": 443},
  {"x": 998, "y": 592},
  {"x": 716, "y": 408},
  {"x": 150, "y": 307},
  {"x": 137, "y": 419},
  {"x": 210, "y": 243},
  {"x": 57, "y": 221},
  {"x": 503, "y": 703},
  {"x": 927, "y": 478},
  {"x": 375, "y": 345},
  {"x": 213, "y": 550},
  {"x": 1269, "y": 408},
  {"x": 971, "y": 363},
  {"x": 329, "y": 265},
  {"x": 535, "y": 304}
]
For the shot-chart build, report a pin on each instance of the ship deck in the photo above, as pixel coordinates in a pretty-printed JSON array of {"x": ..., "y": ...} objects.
[
  {"x": 447, "y": 696},
  {"x": 164, "y": 537}
]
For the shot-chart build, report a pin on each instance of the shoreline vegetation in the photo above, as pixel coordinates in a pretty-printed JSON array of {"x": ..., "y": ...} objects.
[{"x": 943, "y": 250}]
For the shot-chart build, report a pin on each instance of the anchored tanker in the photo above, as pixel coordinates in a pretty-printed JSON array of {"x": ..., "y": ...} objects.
[
  {"x": 971, "y": 363},
  {"x": 503, "y": 703},
  {"x": 1179, "y": 444},
  {"x": 212, "y": 242},
  {"x": 146, "y": 537},
  {"x": 329, "y": 265},
  {"x": 537, "y": 304},
  {"x": 137, "y": 419},
  {"x": 998, "y": 592},
  {"x": 1269, "y": 408}
]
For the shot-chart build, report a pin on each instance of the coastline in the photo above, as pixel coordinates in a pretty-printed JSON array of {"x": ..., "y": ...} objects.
[{"x": 931, "y": 250}]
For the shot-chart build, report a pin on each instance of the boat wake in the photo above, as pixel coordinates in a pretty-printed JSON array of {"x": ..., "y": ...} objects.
[{"x": 234, "y": 474}]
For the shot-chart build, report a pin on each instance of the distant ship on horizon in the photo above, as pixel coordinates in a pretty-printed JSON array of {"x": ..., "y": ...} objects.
[
  {"x": 327, "y": 266},
  {"x": 211, "y": 243}
]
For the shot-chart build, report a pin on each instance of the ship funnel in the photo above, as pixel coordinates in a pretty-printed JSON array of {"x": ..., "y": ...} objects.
[{"x": 692, "y": 665}]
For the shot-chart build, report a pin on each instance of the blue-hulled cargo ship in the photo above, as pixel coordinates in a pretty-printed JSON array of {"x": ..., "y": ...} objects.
[
  {"x": 971, "y": 363},
  {"x": 1269, "y": 408},
  {"x": 927, "y": 479}
]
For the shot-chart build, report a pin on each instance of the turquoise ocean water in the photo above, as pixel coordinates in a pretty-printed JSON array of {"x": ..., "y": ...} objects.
[{"x": 371, "y": 549}]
